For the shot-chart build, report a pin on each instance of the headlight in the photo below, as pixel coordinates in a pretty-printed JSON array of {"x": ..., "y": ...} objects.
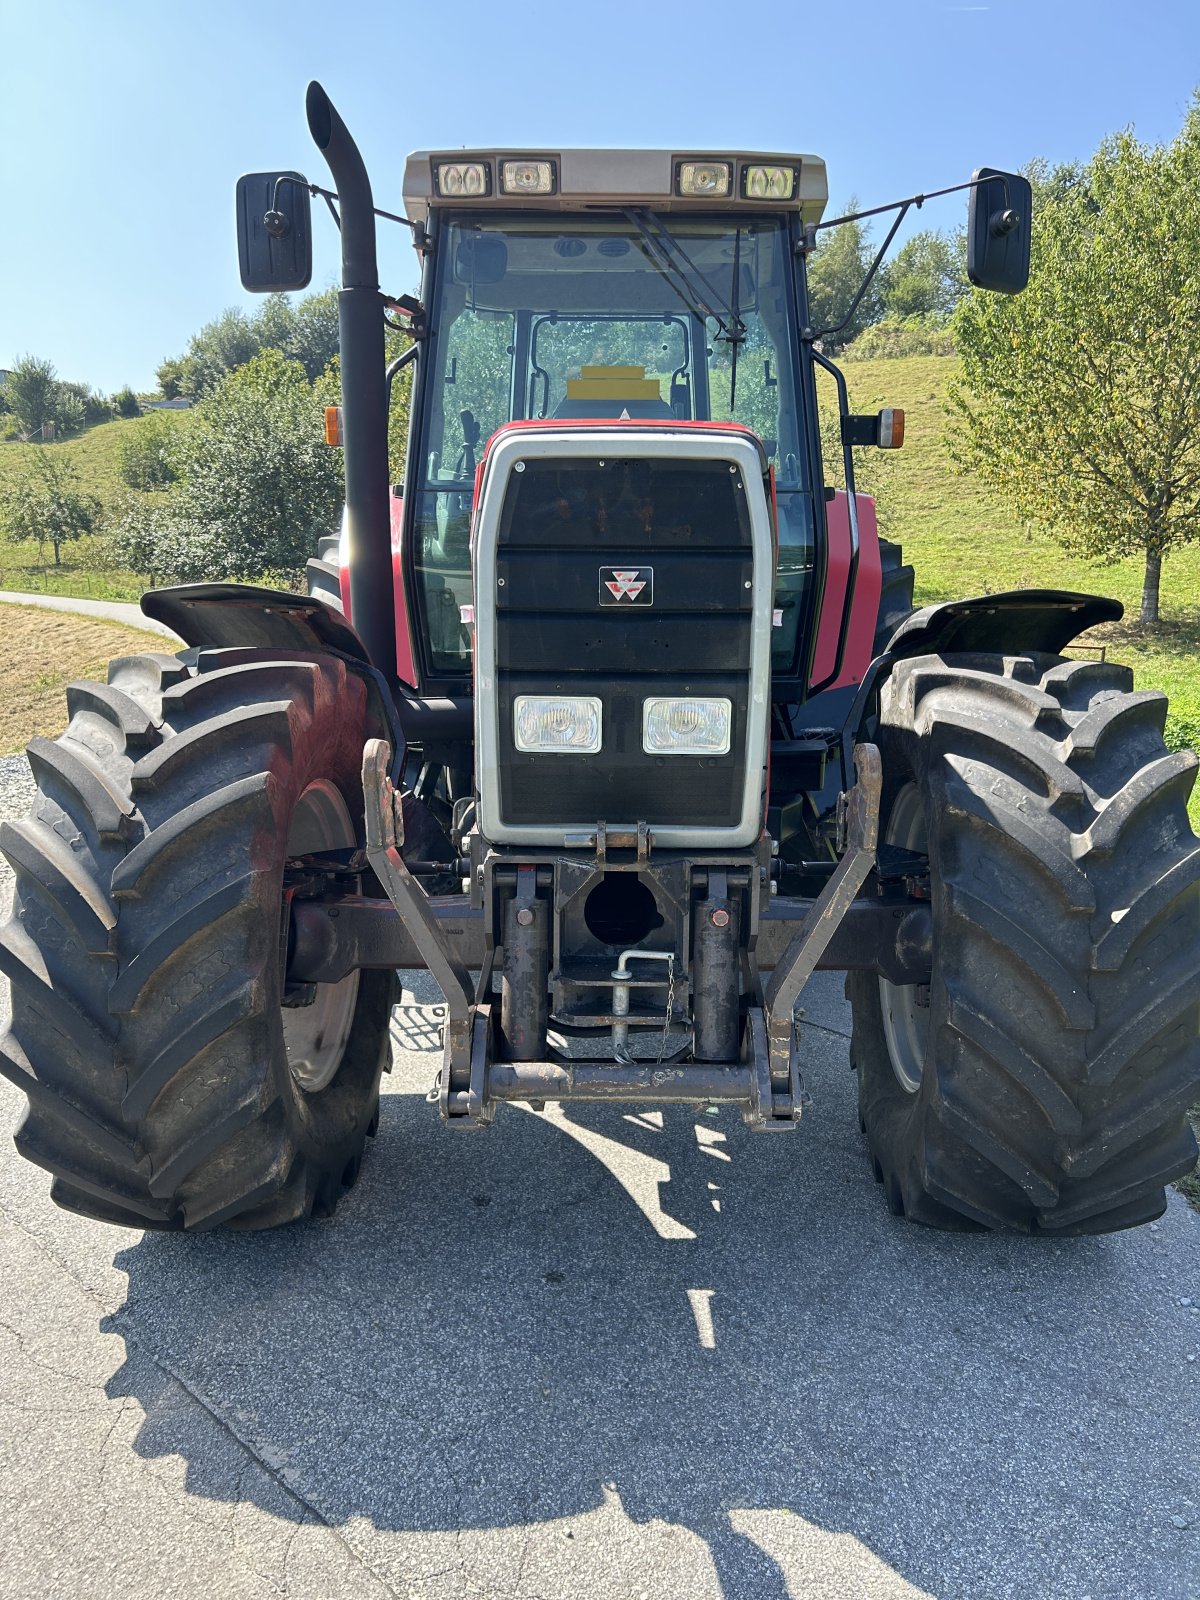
[
  {"x": 686, "y": 727},
  {"x": 527, "y": 177},
  {"x": 567, "y": 724},
  {"x": 768, "y": 183},
  {"x": 709, "y": 180},
  {"x": 463, "y": 180}
]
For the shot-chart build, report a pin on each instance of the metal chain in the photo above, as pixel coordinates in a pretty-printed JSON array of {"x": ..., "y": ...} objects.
[{"x": 662, "y": 1046}]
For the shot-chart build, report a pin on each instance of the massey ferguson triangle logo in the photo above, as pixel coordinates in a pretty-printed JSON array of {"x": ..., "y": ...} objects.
[{"x": 630, "y": 586}]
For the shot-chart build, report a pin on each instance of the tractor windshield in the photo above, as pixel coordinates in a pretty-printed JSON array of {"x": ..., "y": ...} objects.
[{"x": 638, "y": 316}]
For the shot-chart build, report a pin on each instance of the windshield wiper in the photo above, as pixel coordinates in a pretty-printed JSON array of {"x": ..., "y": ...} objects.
[{"x": 666, "y": 252}]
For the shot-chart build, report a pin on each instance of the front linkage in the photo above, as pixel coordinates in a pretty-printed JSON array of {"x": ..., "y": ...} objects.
[{"x": 475, "y": 1074}]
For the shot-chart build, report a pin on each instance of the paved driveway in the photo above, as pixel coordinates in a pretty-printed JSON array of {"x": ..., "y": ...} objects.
[{"x": 598, "y": 1355}]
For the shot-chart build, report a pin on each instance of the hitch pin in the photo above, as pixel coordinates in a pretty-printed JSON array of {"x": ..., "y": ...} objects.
[{"x": 621, "y": 977}]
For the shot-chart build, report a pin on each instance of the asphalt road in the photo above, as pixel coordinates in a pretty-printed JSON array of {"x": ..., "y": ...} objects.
[
  {"x": 597, "y": 1355},
  {"x": 110, "y": 610}
]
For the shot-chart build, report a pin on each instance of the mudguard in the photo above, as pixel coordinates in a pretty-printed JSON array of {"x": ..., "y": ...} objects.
[
  {"x": 218, "y": 616},
  {"x": 1040, "y": 620},
  {"x": 1043, "y": 621},
  {"x": 242, "y": 616}
]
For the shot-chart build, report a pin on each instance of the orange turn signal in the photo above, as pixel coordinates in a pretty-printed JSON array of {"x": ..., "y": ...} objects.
[{"x": 333, "y": 424}]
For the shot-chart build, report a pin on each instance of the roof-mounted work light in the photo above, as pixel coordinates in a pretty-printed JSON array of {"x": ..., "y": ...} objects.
[
  {"x": 457, "y": 180},
  {"x": 527, "y": 177},
  {"x": 704, "y": 180}
]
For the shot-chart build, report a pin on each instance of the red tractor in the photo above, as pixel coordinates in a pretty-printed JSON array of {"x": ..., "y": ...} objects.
[{"x": 619, "y": 721}]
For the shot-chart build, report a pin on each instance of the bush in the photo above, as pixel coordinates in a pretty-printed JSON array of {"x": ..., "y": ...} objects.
[
  {"x": 895, "y": 337},
  {"x": 145, "y": 457},
  {"x": 125, "y": 403},
  {"x": 257, "y": 484}
]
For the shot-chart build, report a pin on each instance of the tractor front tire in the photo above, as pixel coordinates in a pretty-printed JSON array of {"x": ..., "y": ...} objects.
[
  {"x": 172, "y": 1082},
  {"x": 1041, "y": 1081}
]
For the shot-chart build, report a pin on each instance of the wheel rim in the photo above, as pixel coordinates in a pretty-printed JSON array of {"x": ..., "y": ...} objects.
[
  {"x": 905, "y": 1020},
  {"x": 315, "y": 1036}
]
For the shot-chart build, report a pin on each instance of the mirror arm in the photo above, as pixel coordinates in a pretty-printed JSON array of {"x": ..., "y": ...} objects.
[
  {"x": 918, "y": 200},
  {"x": 807, "y": 334}
]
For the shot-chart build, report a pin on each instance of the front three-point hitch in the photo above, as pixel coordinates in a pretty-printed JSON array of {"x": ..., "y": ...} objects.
[{"x": 493, "y": 1054}]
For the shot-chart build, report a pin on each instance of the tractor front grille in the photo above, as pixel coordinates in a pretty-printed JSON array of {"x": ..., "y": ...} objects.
[{"x": 624, "y": 578}]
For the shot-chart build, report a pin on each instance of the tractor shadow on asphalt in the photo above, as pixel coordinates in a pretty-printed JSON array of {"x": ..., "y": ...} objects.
[{"x": 520, "y": 1328}]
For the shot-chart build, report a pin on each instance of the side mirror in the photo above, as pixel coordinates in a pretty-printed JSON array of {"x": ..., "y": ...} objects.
[
  {"x": 999, "y": 231},
  {"x": 274, "y": 231}
]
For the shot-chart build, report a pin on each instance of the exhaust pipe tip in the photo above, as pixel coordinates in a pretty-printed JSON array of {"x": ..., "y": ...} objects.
[{"x": 318, "y": 108}]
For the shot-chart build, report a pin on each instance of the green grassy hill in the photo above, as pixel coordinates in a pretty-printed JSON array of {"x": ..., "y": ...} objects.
[{"x": 94, "y": 455}]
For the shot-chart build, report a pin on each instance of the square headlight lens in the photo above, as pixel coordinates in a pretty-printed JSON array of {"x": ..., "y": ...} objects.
[
  {"x": 463, "y": 180},
  {"x": 686, "y": 727},
  {"x": 566, "y": 724},
  {"x": 705, "y": 180},
  {"x": 527, "y": 177}
]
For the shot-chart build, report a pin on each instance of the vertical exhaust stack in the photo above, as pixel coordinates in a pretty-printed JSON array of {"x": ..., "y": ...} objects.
[{"x": 364, "y": 392}]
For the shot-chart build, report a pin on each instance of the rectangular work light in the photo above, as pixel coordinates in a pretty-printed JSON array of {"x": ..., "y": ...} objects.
[
  {"x": 704, "y": 180},
  {"x": 768, "y": 183},
  {"x": 686, "y": 727},
  {"x": 557, "y": 724},
  {"x": 457, "y": 180},
  {"x": 527, "y": 177}
]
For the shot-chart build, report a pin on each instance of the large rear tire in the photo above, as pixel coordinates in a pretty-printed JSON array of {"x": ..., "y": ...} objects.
[
  {"x": 1042, "y": 1080},
  {"x": 169, "y": 1084}
]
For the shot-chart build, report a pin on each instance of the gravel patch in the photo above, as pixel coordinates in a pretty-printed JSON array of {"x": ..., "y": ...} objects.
[{"x": 16, "y": 796}]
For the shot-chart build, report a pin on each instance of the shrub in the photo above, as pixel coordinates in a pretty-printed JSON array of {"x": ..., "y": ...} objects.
[{"x": 895, "y": 337}]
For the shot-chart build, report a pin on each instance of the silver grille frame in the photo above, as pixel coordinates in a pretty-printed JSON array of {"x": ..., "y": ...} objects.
[{"x": 516, "y": 444}]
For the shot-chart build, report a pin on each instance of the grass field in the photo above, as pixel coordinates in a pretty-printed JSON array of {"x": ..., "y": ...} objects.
[{"x": 46, "y": 650}]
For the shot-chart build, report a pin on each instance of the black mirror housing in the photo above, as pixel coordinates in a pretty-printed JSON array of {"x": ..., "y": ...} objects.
[
  {"x": 274, "y": 231},
  {"x": 999, "y": 231}
]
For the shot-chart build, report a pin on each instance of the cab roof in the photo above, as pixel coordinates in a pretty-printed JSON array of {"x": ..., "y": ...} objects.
[{"x": 605, "y": 179}]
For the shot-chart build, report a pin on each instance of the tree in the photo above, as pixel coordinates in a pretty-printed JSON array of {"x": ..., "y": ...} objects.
[
  {"x": 32, "y": 393},
  {"x": 175, "y": 377},
  {"x": 218, "y": 348},
  {"x": 257, "y": 483},
  {"x": 145, "y": 454},
  {"x": 50, "y": 508},
  {"x": 1080, "y": 399},
  {"x": 125, "y": 403},
  {"x": 306, "y": 332},
  {"x": 927, "y": 278},
  {"x": 836, "y": 270}
]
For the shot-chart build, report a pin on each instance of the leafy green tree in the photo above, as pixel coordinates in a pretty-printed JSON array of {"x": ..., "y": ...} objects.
[
  {"x": 49, "y": 508},
  {"x": 70, "y": 409},
  {"x": 836, "y": 270},
  {"x": 1080, "y": 399},
  {"x": 257, "y": 484},
  {"x": 306, "y": 332},
  {"x": 176, "y": 378},
  {"x": 229, "y": 342},
  {"x": 125, "y": 403},
  {"x": 32, "y": 393},
  {"x": 926, "y": 278},
  {"x": 146, "y": 454}
]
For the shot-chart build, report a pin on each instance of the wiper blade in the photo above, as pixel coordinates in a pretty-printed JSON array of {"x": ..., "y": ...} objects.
[{"x": 667, "y": 253}]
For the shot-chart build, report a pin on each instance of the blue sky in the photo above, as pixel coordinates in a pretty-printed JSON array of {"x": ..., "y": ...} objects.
[{"x": 125, "y": 123}]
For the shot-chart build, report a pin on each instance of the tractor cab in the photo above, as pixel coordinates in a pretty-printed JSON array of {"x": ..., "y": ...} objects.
[{"x": 626, "y": 286}]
